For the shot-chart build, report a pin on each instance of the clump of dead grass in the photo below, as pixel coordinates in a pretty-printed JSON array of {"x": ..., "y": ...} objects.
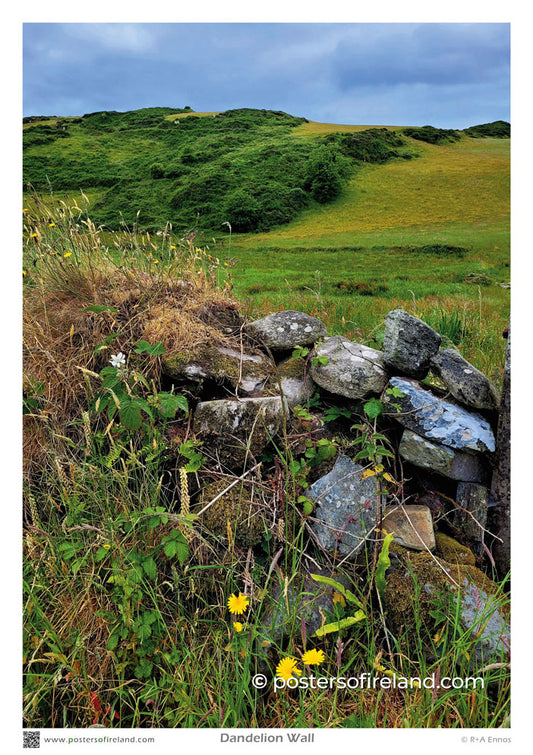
[{"x": 70, "y": 272}]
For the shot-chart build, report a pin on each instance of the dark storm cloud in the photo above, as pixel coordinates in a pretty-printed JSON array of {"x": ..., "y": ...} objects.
[{"x": 448, "y": 74}]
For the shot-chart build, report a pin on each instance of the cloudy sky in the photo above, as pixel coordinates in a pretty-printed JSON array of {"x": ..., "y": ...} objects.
[{"x": 450, "y": 75}]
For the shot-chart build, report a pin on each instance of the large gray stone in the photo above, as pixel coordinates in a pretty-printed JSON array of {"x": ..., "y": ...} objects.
[
  {"x": 466, "y": 383},
  {"x": 408, "y": 344},
  {"x": 346, "y": 507},
  {"x": 352, "y": 370},
  {"x": 446, "y": 461},
  {"x": 235, "y": 429},
  {"x": 287, "y": 329},
  {"x": 437, "y": 419}
]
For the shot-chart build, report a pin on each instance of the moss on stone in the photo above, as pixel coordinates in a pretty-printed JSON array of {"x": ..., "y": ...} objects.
[
  {"x": 452, "y": 551},
  {"x": 235, "y": 509}
]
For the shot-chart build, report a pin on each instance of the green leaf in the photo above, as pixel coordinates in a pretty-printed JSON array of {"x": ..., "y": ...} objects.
[
  {"x": 350, "y": 597},
  {"x": 336, "y": 626},
  {"x": 150, "y": 567},
  {"x": 169, "y": 403},
  {"x": 112, "y": 641},
  {"x": 130, "y": 415},
  {"x": 373, "y": 408},
  {"x": 154, "y": 349},
  {"x": 382, "y": 566}
]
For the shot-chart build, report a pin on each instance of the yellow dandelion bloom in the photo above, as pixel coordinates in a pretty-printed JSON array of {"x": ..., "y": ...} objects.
[
  {"x": 25, "y": 209},
  {"x": 23, "y": 272},
  {"x": 238, "y": 604},
  {"x": 238, "y": 626},
  {"x": 106, "y": 546},
  {"x": 156, "y": 262},
  {"x": 51, "y": 224},
  {"x": 313, "y": 657},
  {"x": 67, "y": 254},
  {"x": 287, "y": 667}
]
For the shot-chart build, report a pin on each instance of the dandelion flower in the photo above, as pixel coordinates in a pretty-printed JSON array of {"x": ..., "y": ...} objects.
[
  {"x": 287, "y": 667},
  {"x": 23, "y": 272},
  {"x": 51, "y": 224},
  {"x": 238, "y": 604},
  {"x": 67, "y": 254},
  {"x": 118, "y": 360},
  {"x": 238, "y": 626},
  {"x": 313, "y": 657},
  {"x": 156, "y": 262}
]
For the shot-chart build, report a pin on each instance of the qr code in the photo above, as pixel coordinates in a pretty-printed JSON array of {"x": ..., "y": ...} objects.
[{"x": 31, "y": 738}]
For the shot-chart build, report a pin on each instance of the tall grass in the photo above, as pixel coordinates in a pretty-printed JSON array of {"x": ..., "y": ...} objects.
[{"x": 126, "y": 620}]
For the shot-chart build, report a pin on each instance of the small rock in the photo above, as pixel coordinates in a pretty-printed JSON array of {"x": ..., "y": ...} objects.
[
  {"x": 409, "y": 344},
  {"x": 352, "y": 370},
  {"x": 411, "y": 525},
  {"x": 235, "y": 508},
  {"x": 437, "y": 419},
  {"x": 295, "y": 382},
  {"x": 438, "y": 458},
  {"x": 346, "y": 507},
  {"x": 287, "y": 329},
  {"x": 466, "y": 384},
  {"x": 236, "y": 429}
]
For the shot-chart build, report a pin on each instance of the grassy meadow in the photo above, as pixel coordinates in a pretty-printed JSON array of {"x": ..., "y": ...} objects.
[{"x": 130, "y": 617}]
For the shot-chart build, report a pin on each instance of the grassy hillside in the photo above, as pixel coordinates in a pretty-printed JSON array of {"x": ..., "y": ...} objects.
[{"x": 401, "y": 196}]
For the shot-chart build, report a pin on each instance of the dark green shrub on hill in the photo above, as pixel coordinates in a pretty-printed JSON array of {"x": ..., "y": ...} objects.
[
  {"x": 498, "y": 129},
  {"x": 374, "y": 145},
  {"x": 325, "y": 173},
  {"x": 241, "y": 210},
  {"x": 432, "y": 135}
]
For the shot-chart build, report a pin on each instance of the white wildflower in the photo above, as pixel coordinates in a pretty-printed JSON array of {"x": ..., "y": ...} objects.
[{"x": 118, "y": 360}]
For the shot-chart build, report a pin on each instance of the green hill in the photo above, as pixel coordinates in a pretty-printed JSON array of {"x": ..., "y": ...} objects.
[{"x": 244, "y": 167}]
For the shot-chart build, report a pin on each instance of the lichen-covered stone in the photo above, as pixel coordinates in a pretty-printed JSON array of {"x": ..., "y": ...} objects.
[
  {"x": 352, "y": 370},
  {"x": 411, "y": 526},
  {"x": 467, "y": 384},
  {"x": 246, "y": 370},
  {"x": 345, "y": 511},
  {"x": 414, "y": 588},
  {"x": 439, "y": 420},
  {"x": 446, "y": 461},
  {"x": 235, "y": 510},
  {"x": 408, "y": 344},
  {"x": 287, "y": 329},
  {"x": 237, "y": 429}
]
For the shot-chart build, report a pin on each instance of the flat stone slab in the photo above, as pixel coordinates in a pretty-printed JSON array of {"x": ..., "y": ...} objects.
[
  {"x": 408, "y": 344},
  {"x": 287, "y": 329},
  {"x": 346, "y": 508},
  {"x": 446, "y": 461},
  {"x": 439, "y": 420},
  {"x": 352, "y": 370},
  {"x": 247, "y": 370},
  {"x": 411, "y": 525},
  {"x": 466, "y": 383}
]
